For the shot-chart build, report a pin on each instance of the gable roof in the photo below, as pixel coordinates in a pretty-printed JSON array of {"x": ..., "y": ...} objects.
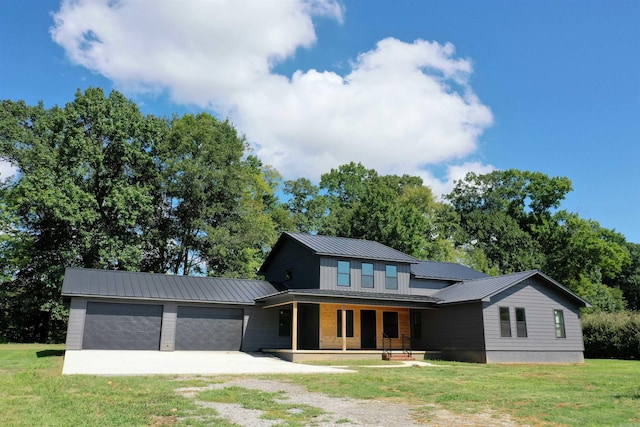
[
  {"x": 484, "y": 288},
  {"x": 149, "y": 286},
  {"x": 445, "y": 270},
  {"x": 341, "y": 247}
]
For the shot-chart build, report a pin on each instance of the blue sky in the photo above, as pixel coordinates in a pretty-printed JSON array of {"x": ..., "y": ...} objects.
[{"x": 434, "y": 88}]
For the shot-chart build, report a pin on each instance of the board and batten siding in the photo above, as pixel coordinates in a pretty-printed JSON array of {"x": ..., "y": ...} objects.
[
  {"x": 298, "y": 259},
  {"x": 539, "y": 301},
  {"x": 75, "y": 328},
  {"x": 329, "y": 276}
]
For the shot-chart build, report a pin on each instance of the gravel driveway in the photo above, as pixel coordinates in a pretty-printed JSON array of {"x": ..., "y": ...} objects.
[{"x": 341, "y": 411}]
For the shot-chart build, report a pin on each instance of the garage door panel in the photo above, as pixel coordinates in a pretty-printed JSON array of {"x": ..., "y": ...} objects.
[
  {"x": 118, "y": 326},
  {"x": 205, "y": 328}
]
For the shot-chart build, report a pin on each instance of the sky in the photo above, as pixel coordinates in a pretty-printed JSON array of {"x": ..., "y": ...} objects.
[{"x": 420, "y": 87}]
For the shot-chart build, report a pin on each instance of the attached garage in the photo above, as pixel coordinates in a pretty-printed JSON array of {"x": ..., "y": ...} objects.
[
  {"x": 119, "y": 326},
  {"x": 206, "y": 328}
]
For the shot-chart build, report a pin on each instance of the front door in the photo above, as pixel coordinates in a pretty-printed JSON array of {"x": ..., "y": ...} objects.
[{"x": 367, "y": 329}]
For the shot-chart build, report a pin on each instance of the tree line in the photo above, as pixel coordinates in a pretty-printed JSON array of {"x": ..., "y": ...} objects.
[{"x": 103, "y": 186}]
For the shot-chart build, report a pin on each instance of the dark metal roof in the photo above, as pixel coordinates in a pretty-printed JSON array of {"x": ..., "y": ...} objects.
[
  {"x": 354, "y": 294},
  {"x": 124, "y": 284},
  {"x": 485, "y": 288},
  {"x": 445, "y": 270},
  {"x": 342, "y": 247}
]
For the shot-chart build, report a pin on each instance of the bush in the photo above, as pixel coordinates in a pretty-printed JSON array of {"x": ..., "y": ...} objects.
[{"x": 611, "y": 335}]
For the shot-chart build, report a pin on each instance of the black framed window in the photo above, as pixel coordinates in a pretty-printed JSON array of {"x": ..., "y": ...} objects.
[
  {"x": 344, "y": 273},
  {"x": 367, "y": 275},
  {"x": 416, "y": 327},
  {"x": 521, "y": 323},
  {"x": 505, "y": 322},
  {"x": 391, "y": 277},
  {"x": 284, "y": 324},
  {"x": 390, "y": 323},
  {"x": 558, "y": 316},
  {"x": 349, "y": 323}
]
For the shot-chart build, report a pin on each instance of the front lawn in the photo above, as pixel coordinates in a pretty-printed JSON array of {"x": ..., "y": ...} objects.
[{"x": 600, "y": 392}]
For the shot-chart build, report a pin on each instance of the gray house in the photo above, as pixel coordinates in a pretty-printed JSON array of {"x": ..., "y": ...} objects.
[{"x": 327, "y": 297}]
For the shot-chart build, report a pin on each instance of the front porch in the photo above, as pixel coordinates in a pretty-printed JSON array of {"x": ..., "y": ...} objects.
[{"x": 301, "y": 356}]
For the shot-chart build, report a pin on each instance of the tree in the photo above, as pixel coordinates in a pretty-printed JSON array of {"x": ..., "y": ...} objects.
[{"x": 80, "y": 200}]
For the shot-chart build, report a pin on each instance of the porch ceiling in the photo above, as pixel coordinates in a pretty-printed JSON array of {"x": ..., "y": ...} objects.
[{"x": 319, "y": 296}]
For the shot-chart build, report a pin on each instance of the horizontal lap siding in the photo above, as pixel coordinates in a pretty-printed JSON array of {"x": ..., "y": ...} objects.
[
  {"x": 329, "y": 276},
  {"x": 261, "y": 330},
  {"x": 75, "y": 328},
  {"x": 539, "y": 301},
  {"x": 328, "y": 326}
]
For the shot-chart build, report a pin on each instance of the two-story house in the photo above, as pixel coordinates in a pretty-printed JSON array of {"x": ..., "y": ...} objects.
[{"x": 329, "y": 297}]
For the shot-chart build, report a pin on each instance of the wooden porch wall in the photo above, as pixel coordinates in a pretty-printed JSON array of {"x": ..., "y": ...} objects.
[{"x": 328, "y": 326}]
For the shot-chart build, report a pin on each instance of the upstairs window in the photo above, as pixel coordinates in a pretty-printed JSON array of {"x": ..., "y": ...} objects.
[
  {"x": 521, "y": 323},
  {"x": 558, "y": 316},
  {"x": 367, "y": 275},
  {"x": 391, "y": 277},
  {"x": 390, "y": 323},
  {"x": 349, "y": 323},
  {"x": 505, "y": 322},
  {"x": 344, "y": 273}
]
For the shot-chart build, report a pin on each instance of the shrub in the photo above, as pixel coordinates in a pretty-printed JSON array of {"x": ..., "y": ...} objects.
[{"x": 611, "y": 335}]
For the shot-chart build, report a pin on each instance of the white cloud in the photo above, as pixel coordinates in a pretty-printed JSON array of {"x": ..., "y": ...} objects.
[
  {"x": 454, "y": 173},
  {"x": 401, "y": 106},
  {"x": 7, "y": 170}
]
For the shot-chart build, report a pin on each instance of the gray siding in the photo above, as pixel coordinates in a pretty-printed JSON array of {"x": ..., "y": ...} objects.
[
  {"x": 300, "y": 260},
  {"x": 75, "y": 328},
  {"x": 168, "y": 334},
  {"x": 329, "y": 276},
  {"x": 455, "y": 328},
  {"x": 539, "y": 301},
  {"x": 261, "y": 330},
  {"x": 535, "y": 357},
  {"x": 426, "y": 286}
]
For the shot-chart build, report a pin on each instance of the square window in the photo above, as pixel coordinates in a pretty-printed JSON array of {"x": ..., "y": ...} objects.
[
  {"x": 391, "y": 277},
  {"x": 505, "y": 322},
  {"x": 344, "y": 273},
  {"x": 349, "y": 323},
  {"x": 367, "y": 275}
]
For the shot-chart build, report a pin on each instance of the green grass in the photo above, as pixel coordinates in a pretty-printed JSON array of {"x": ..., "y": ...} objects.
[{"x": 600, "y": 392}]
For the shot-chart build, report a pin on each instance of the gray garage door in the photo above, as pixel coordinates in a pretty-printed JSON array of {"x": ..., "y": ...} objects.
[
  {"x": 116, "y": 326},
  {"x": 204, "y": 328}
]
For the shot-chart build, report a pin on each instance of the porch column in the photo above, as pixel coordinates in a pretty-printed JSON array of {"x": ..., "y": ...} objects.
[
  {"x": 294, "y": 327},
  {"x": 344, "y": 328}
]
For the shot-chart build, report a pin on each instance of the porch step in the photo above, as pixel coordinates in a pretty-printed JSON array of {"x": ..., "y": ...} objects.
[{"x": 397, "y": 356}]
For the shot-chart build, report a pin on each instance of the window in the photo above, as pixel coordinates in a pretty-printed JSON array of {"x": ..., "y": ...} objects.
[
  {"x": 416, "y": 317},
  {"x": 521, "y": 323},
  {"x": 344, "y": 273},
  {"x": 391, "y": 277},
  {"x": 367, "y": 275},
  {"x": 284, "y": 325},
  {"x": 349, "y": 323},
  {"x": 559, "y": 319},
  {"x": 390, "y": 323},
  {"x": 505, "y": 322}
]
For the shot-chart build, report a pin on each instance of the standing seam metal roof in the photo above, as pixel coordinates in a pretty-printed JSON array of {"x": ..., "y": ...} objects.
[
  {"x": 480, "y": 289},
  {"x": 445, "y": 270},
  {"x": 124, "y": 284},
  {"x": 352, "y": 248}
]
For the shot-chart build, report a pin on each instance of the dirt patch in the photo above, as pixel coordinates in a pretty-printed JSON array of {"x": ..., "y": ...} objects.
[{"x": 342, "y": 411}]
